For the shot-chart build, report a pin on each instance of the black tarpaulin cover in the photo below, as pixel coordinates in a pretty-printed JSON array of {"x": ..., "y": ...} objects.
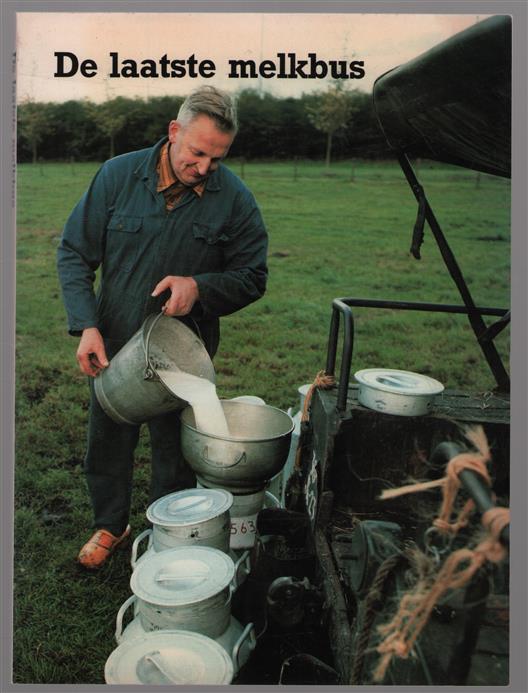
[{"x": 453, "y": 103}]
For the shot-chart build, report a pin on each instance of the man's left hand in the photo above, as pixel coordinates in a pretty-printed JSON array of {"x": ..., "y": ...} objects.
[{"x": 184, "y": 294}]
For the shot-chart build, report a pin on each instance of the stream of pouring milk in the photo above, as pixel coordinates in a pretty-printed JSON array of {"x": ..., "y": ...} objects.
[{"x": 201, "y": 395}]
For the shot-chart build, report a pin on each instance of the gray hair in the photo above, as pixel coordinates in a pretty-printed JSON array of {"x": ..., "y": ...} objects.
[{"x": 211, "y": 102}]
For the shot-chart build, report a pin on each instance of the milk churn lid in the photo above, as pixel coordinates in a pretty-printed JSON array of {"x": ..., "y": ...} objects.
[
  {"x": 189, "y": 507},
  {"x": 399, "y": 382},
  {"x": 169, "y": 657},
  {"x": 184, "y": 575}
]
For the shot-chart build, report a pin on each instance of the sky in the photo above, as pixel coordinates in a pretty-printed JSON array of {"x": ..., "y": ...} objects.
[{"x": 380, "y": 41}]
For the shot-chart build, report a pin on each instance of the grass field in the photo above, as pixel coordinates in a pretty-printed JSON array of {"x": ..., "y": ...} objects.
[{"x": 344, "y": 234}]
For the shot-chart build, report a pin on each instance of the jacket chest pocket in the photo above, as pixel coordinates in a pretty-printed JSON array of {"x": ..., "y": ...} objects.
[
  {"x": 209, "y": 242},
  {"x": 212, "y": 234},
  {"x": 123, "y": 240}
]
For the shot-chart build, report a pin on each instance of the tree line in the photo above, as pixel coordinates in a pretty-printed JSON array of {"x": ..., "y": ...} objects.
[{"x": 335, "y": 124}]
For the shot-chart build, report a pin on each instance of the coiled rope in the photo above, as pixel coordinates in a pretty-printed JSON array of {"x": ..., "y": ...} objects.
[{"x": 415, "y": 607}]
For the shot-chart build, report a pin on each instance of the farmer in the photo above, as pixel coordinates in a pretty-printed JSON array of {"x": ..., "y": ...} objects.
[{"x": 173, "y": 230}]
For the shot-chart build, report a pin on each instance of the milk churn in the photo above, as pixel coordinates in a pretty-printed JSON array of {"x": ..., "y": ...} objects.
[
  {"x": 243, "y": 515},
  {"x": 169, "y": 657},
  {"x": 192, "y": 517},
  {"x": 187, "y": 588}
]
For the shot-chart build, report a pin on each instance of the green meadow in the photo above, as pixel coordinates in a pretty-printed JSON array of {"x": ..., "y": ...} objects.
[{"x": 345, "y": 232}]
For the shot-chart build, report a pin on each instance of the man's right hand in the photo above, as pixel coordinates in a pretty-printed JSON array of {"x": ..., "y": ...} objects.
[{"x": 91, "y": 354}]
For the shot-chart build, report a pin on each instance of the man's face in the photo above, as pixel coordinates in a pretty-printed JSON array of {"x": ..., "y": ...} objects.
[{"x": 197, "y": 148}]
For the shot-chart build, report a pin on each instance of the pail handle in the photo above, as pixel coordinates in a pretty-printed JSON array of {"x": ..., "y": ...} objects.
[
  {"x": 135, "y": 545},
  {"x": 119, "y": 618},
  {"x": 149, "y": 371},
  {"x": 249, "y": 631},
  {"x": 214, "y": 463}
]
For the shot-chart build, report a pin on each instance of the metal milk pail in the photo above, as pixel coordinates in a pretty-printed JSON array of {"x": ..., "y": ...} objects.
[{"x": 130, "y": 391}]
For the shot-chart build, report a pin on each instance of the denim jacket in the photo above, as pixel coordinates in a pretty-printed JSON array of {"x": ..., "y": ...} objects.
[{"x": 122, "y": 226}]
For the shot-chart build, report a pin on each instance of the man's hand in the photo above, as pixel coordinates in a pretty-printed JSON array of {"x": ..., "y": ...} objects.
[
  {"x": 184, "y": 294},
  {"x": 91, "y": 354}
]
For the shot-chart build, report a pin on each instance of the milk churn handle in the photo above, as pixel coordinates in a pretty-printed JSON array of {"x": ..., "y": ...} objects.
[
  {"x": 119, "y": 618},
  {"x": 244, "y": 558},
  {"x": 149, "y": 372},
  {"x": 275, "y": 502},
  {"x": 249, "y": 631},
  {"x": 135, "y": 545}
]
